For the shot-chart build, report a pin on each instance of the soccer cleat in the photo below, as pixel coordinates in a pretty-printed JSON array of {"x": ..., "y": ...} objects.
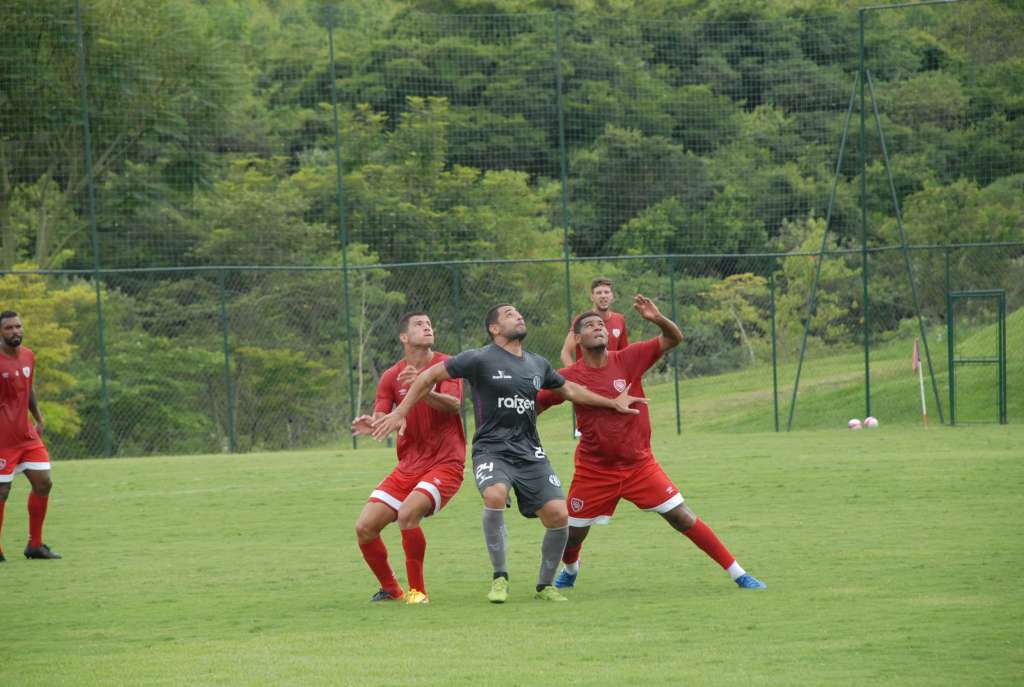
[
  {"x": 383, "y": 595},
  {"x": 2, "y": 559},
  {"x": 549, "y": 594},
  {"x": 565, "y": 579},
  {"x": 41, "y": 552},
  {"x": 415, "y": 596},
  {"x": 499, "y": 590},
  {"x": 747, "y": 581}
]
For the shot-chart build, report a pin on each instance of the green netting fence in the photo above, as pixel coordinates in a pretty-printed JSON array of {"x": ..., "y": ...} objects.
[{"x": 212, "y": 214}]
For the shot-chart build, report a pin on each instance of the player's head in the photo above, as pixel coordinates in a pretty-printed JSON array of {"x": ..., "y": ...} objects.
[
  {"x": 601, "y": 294},
  {"x": 10, "y": 328},
  {"x": 505, "y": 321},
  {"x": 591, "y": 334},
  {"x": 415, "y": 329}
]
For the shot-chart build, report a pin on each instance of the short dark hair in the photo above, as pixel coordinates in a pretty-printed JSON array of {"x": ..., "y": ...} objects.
[
  {"x": 492, "y": 317},
  {"x": 600, "y": 281},
  {"x": 577, "y": 326},
  {"x": 403, "y": 321},
  {"x": 6, "y": 315}
]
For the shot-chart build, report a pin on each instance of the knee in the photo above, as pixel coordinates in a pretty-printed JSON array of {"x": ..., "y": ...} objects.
[
  {"x": 366, "y": 531},
  {"x": 682, "y": 518},
  {"x": 495, "y": 497},
  {"x": 577, "y": 535},
  {"x": 408, "y": 519},
  {"x": 555, "y": 515},
  {"x": 42, "y": 487},
  {"x": 5, "y": 489}
]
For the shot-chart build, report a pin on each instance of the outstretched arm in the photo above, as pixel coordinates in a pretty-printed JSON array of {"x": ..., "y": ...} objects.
[
  {"x": 446, "y": 403},
  {"x": 383, "y": 426},
  {"x": 571, "y": 391},
  {"x": 671, "y": 335}
]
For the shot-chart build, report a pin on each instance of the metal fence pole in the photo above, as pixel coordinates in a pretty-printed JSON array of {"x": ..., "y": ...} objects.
[
  {"x": 457, "y": 322},
  {"x": 108, "y": 442},
  {"x": 775, "y": 357},
  {"x": 342, "y": 227},
  {"x": 563, "y": 164},
  {"x": 864, "y": 229},
  {"x": 675, "y": 351},
  {"x": 228, "y": 387}
]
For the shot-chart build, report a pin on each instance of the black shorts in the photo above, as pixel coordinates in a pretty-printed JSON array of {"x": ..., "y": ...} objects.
[{"x": 534, "y": 481}]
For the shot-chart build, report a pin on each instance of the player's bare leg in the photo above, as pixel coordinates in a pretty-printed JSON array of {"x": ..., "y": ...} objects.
[
  {"x": 555, "y": 518},
  {"x": 686, "y": 521},
  {"x": 374, "y": 518},
  {"x": 5, "y": 489},
  {"x": 38, "y": 500},
  {"x": 496, "y": 538},
  {"x": 571, "y": 557},
  {"x": 416, "y": 506}
]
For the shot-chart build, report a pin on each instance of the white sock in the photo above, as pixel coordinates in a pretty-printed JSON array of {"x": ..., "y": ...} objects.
[
  {"x": 572, "y": 568},
  {"x": 736, "y": 571}
]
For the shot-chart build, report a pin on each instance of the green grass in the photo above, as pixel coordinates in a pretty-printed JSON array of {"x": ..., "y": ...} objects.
[{"x": 892, "y": 557}]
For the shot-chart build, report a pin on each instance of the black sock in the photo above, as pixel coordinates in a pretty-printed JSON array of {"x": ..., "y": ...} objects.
[{"x": 500, "y": 574}]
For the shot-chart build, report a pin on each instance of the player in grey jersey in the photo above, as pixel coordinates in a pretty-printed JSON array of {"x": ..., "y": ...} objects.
[{"x": 507, "y": 453}]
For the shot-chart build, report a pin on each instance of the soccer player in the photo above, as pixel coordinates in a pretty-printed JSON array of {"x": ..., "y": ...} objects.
[
  {"x": 614, "y": 459},
  {"x": 431, "y": 461},
  {"x": 602, "y": 297},
  {"x": 21, "y": 448},
  {"x": 507, "y": 453}
]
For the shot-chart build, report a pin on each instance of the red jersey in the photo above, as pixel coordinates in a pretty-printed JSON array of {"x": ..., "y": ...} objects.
[
  {"x": 431, "y": 436},
  {"x": 16, "y": 375},
  {"x": 611, "y": 438},
  {"x": 617, "y": 337}
]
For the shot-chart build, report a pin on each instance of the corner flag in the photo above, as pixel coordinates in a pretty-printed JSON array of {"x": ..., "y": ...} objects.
[{"x": 915, "y": 364}]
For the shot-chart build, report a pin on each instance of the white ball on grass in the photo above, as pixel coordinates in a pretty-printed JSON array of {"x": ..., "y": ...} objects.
[
  {"x": 871, "y": 422},
  {"x": 853, "y": 424}
]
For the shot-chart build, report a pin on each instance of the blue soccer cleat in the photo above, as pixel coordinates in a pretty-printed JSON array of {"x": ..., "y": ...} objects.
[
  {"x": 748, "y": 581},
  {"x": 565, "y": 580}
]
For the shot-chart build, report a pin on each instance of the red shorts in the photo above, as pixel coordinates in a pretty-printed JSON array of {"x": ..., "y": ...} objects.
[
  {"x": 14, "y": 461},
  {"x": 595, "y": 491},
  {"x": 439, "y": 483}
]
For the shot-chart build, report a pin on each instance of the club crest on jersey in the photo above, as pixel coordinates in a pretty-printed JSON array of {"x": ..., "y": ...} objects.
[
  {"x": 536, "y": 382},
  {"x": 616, "y": 332},
  {"x": 576, "y": 505},
  {"x": 553, "y": 478},
  {"x": 619, "y": 385},
  {"x": 27, "y": 371},
  {"x": 3, "y": 463}
]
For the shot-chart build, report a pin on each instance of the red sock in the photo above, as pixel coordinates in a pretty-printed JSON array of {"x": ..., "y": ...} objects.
[
  {"x": 705, "y": 538},
  {"x": 2, "y": 504},
  {"x": 571, "y": 554},
  {"x": 415, "y": 545},
  {"x": 376, "y": 556},
  {"x": 36, "y": 514}
]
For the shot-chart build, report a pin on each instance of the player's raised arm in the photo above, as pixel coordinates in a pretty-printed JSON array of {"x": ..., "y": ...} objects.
[
  {"x": 393, "y": 421},
  {"x": 568, "y": 348},
  {"x": 572, "y": 391},
  {"x": 671, "y": 335},
  {"x": 446, "y": 403}
]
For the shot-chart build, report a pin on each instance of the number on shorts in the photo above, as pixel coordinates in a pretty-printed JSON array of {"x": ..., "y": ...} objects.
[{"x": 483, "y": 468}]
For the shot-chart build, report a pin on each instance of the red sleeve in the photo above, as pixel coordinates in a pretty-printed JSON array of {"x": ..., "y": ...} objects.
[
  {"x": 385, "y": 392},
  {"x": 547, "y": 398},
  {"x": 450, "y": 387},
  {"x": 624, "y": 339},
  {"x": 637, "y": 358}
]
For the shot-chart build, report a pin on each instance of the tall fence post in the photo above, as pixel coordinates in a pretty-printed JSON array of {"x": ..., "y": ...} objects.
[
  {"x": 457, "y": 322},
  {"x": 108, "y": 442},
  {"x": 675, "y": 350},
  {"x": 775, "y": 357},
  {"x": 331, "y": 18},
  {"x": 563, "y": 164},
  {"x": 864, "y": 227},
  {"x": 228, "y": 386}
]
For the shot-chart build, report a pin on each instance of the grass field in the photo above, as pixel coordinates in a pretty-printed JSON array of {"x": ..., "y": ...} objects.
[{"x": 892, "y": 557}]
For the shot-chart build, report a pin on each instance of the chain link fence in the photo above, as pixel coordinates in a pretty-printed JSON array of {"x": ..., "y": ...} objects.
[{"x": 212, "y": 215}]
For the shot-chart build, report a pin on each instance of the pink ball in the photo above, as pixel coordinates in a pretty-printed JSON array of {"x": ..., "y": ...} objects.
[
  {"x": 871, "y": 422},
  {"x": 853, "y": 424}
]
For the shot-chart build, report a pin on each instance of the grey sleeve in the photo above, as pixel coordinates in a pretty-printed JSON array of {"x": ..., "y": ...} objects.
[
  {"x": 552, "y": 380},
  {"x": 464, "y": 364}
]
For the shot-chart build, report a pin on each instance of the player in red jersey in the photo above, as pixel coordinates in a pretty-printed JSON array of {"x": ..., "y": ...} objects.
[
  {"x": 614, "y": 459},
  {"x": 21, "y": 449},
  {"x": 602, "y": 297},
  {"x": 431, "y": 460}
]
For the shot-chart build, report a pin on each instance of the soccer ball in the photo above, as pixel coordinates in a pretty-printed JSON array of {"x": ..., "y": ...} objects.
[
  {"x": 871, "y": 422},
  {"x": 854, "y": 423}
]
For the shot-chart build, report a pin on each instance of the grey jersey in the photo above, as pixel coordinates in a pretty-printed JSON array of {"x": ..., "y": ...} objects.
[{"x": 505, "y": 389}]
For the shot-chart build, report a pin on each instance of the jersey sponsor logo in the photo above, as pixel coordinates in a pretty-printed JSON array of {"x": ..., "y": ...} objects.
[
  {"x": 619, "y": 385},
  {"x": 437, "y": 481},
  {"x": 27, "y": 371},
  {"x": 576, "y": 505},
  {"x": 553, "y": 478},
  {"x": 501, "y": 375},
  {"x": 516, "y": 403},
  {"x": 670, "y": 490},
  {"x": 536, "y": 382},
  {"x": 616, "y": 332}
]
